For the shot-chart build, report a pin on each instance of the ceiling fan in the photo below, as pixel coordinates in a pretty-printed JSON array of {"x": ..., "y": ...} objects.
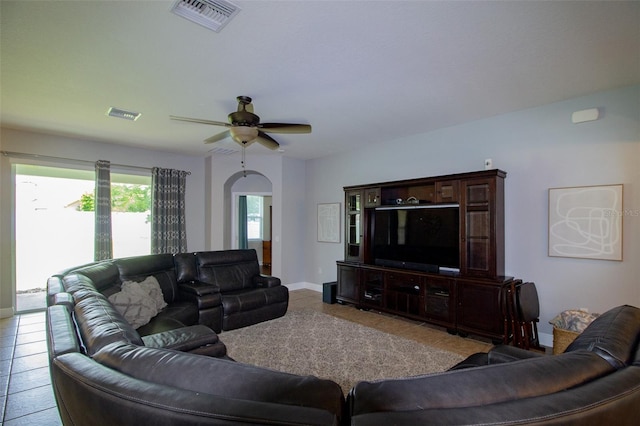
[{"x": 245, "y": 127}]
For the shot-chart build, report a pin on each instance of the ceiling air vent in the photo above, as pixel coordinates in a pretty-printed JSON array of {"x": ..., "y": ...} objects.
[
  {"x": 120, "y": 113},
  {"x": 212, "y": 14},
  {"x": 222, "y": 151}
]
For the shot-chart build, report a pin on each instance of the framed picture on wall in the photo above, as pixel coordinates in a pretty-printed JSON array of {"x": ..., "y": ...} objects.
[
  {"x": 586, "y": 222},
  {"x": 329, "y": 222}
]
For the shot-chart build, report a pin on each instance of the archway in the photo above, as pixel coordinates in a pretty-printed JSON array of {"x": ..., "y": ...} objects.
[{"x": 255, "y": 191}]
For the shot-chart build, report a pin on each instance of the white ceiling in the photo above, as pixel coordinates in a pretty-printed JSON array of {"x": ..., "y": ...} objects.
[{"x": 360, "y": 72}]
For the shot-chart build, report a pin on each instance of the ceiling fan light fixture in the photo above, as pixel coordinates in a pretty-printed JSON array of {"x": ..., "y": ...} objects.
[
  {"x": 211, "y": 14},
  {"x": 242, "y": 134}
]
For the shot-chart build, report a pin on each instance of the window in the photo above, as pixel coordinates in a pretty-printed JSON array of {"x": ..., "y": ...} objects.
[{"x": 255, "y": 217}]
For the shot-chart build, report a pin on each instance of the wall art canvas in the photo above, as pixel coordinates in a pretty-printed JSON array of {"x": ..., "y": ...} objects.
[
  {"x": 586, "y": 222},
  {"x": 329, "y": 223}
]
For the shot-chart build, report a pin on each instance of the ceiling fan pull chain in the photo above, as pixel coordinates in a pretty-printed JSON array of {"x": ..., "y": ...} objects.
[{"x": 244, "y": 170}]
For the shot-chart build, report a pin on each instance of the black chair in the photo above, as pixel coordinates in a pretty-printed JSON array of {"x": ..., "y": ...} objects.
[
  {"x": 527, "y": 310},
  {"x": 507, "y": 309}
]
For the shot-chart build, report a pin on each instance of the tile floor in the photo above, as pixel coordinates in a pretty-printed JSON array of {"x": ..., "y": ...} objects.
[{"x": 26, "y": 396}]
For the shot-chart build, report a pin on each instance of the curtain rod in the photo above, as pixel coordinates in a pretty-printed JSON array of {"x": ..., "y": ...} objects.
[{"x": 48, "y": 157}]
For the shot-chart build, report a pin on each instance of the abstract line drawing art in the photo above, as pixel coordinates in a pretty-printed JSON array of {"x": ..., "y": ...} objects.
[
  {"x": 586, "y": 222},
  {"x": 329, "y": 223}
]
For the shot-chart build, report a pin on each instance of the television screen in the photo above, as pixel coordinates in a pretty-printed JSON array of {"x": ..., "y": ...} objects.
[{"x": 417, "y": 237}]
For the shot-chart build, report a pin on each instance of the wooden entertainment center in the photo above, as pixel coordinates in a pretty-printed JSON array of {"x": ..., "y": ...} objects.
[{"x": 465, "y": 300}]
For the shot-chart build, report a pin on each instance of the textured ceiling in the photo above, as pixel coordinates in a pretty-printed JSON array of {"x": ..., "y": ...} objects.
[{"x": 360, "y": 72}]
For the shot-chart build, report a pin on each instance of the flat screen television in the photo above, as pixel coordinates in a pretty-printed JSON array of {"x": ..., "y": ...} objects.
[{"x": 416, "y": 237}]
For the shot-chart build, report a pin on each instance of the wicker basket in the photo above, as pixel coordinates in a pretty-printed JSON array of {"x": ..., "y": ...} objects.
[{"x": 562, "y": 338}]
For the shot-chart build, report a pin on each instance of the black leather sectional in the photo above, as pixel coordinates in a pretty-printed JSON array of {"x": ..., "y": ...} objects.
[{"x": 105, "y": 372}]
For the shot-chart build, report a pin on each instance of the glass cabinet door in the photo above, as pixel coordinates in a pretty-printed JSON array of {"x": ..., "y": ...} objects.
[{"x": 353, "y": 225}]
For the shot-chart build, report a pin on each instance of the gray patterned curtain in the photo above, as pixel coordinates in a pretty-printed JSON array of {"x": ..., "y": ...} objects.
[
  {"x": 103, "y": 247},
  {"x": 168, "y": 230}
]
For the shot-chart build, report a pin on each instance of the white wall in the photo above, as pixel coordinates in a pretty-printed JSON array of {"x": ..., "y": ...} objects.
[
  {"x": 57, "y": 146},
  {"x": 539, "y": 148}
]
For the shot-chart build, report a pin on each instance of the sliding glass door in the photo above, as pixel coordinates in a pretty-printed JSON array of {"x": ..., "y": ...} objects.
[
  {"x": 50, "y": 233},
  {"x": 54, "y": 223}
]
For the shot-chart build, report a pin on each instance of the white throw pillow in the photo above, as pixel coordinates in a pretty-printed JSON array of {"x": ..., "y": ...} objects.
[
  {"x": 136, "y": 308},
  {"x": 151, "y": 286}
]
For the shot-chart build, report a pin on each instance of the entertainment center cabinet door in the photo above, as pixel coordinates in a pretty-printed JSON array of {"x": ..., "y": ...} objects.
[
  {"x": 348, "y": 284},
  {"x": 353, "y": 226},
  {"x": 372, "y": 283},
  {"x": 372, "y": 197},
  {"x": 447, "y": 191},
  {"x": 482, "y": 205},
  {"x": 479, "y": 309},
  {"x": 439, "y": 301},
  {"x": 404, "y": 293}
]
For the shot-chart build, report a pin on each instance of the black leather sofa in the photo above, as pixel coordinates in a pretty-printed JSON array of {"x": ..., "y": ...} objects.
[
  {"x": 223, "y": 289},
  {"x": 105, "y": 372},
  {"x": 596, "y": 381}
]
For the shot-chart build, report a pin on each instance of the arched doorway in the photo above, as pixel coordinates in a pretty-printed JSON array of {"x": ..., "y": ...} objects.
[{"x": 250, "y": 209}]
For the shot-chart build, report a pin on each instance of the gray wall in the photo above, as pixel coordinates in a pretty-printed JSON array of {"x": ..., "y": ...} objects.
[{"x": 539, "y": 148}]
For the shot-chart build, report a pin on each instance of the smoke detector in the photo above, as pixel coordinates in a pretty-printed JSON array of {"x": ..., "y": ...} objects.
[{"x": 212, "y": 14}]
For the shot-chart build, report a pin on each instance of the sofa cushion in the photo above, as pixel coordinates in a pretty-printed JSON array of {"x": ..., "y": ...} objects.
[
  {"x": 247, "y": 300},
  {"x": 490, "y": 384},
  {"x": 92, "y": 394},
  {"x": 221, "y": 377},
  {"x": 100, "y": 323},
  {"x": 159, "y": 324},
  {"x": 230, "y": 270},
  {"x": 76, "y": 282},
  {"x": 186, "y": 268},
  {"x": 61, "y": 332},
  {"x": 103, "y": 275},
  {"x": 197, "y": 339},
  {"x": 613, "y": 335},
  {"x": 160, "y": 266}
]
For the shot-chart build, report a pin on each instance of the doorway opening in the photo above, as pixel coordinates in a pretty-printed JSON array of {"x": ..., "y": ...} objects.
[{"x": 251, "y": 216}]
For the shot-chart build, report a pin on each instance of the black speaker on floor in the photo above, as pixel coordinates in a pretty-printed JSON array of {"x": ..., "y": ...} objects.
[{"x": 329, "y": 292}]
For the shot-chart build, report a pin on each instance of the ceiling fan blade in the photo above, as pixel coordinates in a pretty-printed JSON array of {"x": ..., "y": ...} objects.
[
  {"x": 267, "y": 141},
  {"x": 218, "y": 137},
  {"x": 198, "y": 120},
  {"x": 285, "y": 128}
]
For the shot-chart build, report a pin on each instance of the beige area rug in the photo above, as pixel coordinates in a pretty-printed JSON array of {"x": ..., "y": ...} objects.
[{"x": 307, "y": 342}]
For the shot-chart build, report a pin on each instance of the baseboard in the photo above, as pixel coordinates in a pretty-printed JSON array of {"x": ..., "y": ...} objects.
[
  {"x": 546, "y": 339},
  {"x": 304, "y": 285},
  {"x": 6, "y": 312}
]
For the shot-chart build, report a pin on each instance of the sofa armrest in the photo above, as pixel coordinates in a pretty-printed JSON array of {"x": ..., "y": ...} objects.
[
  {"x": 505, "y": 353},
  {"x": 204, "y": 295},
  {"x": 266, "y": 281},
  {"x": 182, "y": 339},
  {"x": 198, "y": 288}
]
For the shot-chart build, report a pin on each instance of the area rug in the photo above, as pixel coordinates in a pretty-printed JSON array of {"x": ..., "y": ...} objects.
[{"x": 307, "y": 342}]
